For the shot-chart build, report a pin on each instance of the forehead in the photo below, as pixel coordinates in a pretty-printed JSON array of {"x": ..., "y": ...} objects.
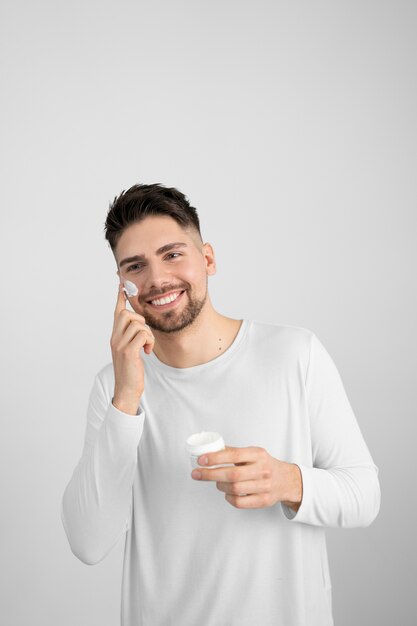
[{"x": 145, "y": 237}]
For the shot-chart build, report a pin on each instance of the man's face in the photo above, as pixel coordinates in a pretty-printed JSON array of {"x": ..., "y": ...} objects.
[{"x": 181, "y": 269}]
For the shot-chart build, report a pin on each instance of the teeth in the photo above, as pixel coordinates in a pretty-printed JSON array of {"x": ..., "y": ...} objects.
[{"x": 171, "y": 298}]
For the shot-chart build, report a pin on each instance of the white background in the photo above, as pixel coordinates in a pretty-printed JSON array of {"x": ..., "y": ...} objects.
[{"x": 291, "y": 127}]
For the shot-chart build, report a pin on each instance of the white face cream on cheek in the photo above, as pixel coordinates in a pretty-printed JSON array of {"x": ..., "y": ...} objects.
[{"x": 130, "y": 288}]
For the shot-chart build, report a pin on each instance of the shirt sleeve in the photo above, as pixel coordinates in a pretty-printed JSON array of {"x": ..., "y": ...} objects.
[
  {"x": 341, "y": 489},
  {"x": 96, "y": 505}
]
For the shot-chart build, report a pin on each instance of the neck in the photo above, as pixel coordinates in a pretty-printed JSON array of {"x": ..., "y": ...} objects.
[{"x": 205, "y": 339}]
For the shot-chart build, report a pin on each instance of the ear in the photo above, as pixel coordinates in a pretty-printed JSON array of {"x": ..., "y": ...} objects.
[{"x": 209, "y": 259}]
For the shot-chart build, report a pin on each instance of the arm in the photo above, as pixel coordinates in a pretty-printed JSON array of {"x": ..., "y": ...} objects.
[
  {"x": 96, "y": 504},
  {"x": 341, "y": 489}
]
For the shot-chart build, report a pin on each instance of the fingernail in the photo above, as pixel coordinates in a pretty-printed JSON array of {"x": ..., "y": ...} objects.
[
  {"x": 203, "y": 460},
  {"x": 196, "y": 474}
]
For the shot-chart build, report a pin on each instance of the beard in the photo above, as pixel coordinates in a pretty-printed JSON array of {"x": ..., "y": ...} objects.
[{"x": 173, "y": 321}]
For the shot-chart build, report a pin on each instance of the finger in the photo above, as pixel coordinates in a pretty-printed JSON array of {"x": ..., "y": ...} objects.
[
  {"x": 122, "y": 321},
  {"x": 232, "y": 455},
  {"x": 255, "y": 501},
  {"x": 143, "y": 339},
  {"x": 230, "y": 474},
  {"x": 149, "y": 344},
  {"x": 243, "y": 488},
  {"x": 148, "y": 347},
  {"x": 133, "y": 331},
  {"x": 121, "y": 301}
]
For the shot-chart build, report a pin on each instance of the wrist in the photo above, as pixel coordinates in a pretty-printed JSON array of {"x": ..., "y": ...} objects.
[
  {"x": 126, "y": 404},
  {"x": 295, "y": 483}
]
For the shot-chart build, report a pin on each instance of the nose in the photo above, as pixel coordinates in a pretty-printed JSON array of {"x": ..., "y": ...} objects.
[{"x": 157, "y": 279}]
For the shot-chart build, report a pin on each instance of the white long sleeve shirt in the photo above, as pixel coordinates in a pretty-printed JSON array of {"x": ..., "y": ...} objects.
[{"x": 190, "y": 556}]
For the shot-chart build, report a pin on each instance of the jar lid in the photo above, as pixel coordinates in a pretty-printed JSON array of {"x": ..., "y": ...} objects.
[{"x": 198, "y": 443}]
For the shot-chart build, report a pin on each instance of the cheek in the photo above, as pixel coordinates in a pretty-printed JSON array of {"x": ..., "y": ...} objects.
[
  {"x": 192, "y": 273},
  {"x": 132, "y": 288}
]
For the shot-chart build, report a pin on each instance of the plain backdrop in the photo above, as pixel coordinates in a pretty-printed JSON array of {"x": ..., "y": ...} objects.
[{"x": 291, "y": 127}]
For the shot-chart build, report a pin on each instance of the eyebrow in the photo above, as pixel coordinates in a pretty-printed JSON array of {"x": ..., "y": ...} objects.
[{"x": 142, "y": 257}]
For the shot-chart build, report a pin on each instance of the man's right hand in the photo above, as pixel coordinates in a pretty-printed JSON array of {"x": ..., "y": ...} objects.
[{"x": 130, "y": 334}]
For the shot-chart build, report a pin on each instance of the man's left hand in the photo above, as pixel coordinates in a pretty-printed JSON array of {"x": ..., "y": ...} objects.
[{"x": 259, "y": 481}]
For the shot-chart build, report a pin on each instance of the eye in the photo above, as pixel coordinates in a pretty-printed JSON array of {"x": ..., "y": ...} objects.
[
  {"x": 139, "y": 266},
  {"x": 132, "y": 267}
]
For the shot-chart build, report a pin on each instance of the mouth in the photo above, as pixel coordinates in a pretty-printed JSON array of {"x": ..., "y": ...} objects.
[{"x": 167, "y": 302}]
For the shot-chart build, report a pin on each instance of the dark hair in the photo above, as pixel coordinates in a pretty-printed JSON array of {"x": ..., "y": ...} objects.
[{"x": 140, "y": 201}]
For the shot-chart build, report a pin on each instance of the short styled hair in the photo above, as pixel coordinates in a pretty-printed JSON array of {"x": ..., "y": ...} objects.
[{"x": 140, "y": 201}]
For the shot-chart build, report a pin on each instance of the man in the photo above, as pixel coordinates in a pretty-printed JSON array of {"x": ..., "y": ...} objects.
[{"x": 197, "y": 551}]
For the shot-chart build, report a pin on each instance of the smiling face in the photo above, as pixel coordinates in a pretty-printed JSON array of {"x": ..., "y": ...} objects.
[{"x": 170, "y": 267}]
